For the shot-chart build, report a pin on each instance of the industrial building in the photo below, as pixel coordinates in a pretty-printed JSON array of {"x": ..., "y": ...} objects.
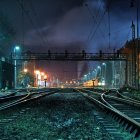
[
  {"x": 132, "y": 51},
  {"x": 6, "y": 74}
]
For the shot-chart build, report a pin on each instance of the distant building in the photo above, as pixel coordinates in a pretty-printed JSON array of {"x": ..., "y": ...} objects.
[
  {"x": 6, "y": 74},
  {"x": 133, "y": 56}
]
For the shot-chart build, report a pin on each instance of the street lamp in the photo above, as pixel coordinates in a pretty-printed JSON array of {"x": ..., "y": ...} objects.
[
  {"x": 16, "y": 49},
  {"x": 85, "y": 77},
  {"x": 42, "y": 73},
  {"x": 37, "y": 72},
  {"x": 45, "y": 76},
  {"x": 99, "y": 71},
  {"x": 104, "y": 64},
  {"x": 25, "y": 70},
  {"x": 96, "y": 73}
]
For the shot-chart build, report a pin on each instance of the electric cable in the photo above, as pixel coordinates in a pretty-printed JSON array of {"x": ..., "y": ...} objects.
[{"x": 30, "y": 19}]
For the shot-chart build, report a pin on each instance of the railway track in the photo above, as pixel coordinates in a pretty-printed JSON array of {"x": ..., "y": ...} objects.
[
  {"x": 23, "y": 98},
  {"x": 17, "y": 96},
  {"x": 28, "y": 98},
  {"x": 107, "y": 116},
  {"x": 67, "y": 116},
  {"x": 128, "y": 96},
  {"x": 128, "y": 108},
  {"x": 116, "y": 111},
  {"x": 9, "y": 93}
]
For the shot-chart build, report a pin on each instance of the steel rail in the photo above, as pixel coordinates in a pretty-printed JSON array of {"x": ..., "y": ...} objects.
[
  {"x": 128, "y": 98},
  {"x": 15, "y": 102},
  {"x": 7, "y": 98},
  {"x": 26, "y": 99},
  {"x": 123, "y": 119}
]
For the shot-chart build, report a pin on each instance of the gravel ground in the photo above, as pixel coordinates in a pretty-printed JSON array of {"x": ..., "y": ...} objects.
[
  {"x": 57, "y": 117},
  {"x": 132, "y": 94}
]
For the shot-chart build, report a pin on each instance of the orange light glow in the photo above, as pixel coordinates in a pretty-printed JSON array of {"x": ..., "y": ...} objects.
[
  {"x": 45, "y": 76},
  {"x": 37, "y": 72},
  {"x": 42, "y": 73},
  {"x": 90, "y": 83}
]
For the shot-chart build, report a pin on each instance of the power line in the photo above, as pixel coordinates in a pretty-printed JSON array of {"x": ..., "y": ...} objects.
[
  {"x": 127, "y": 37},
  {"x": 95, "y": 20},
  {"x": 22, "y": 14},
  {"x": 93, "y": 34},
  {"x": 30, "y": 19},
  {"x": 37, "y": 19},
  {"x": 109, "y": 34}
]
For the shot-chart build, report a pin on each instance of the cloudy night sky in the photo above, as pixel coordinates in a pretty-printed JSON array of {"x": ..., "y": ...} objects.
[{"x": 70, "y": 24}]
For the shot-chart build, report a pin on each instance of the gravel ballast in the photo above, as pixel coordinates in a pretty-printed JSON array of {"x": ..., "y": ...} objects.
[{"x": 60, "y": 116}]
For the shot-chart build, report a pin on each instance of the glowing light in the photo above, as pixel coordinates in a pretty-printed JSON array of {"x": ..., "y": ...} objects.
[
  {"x": 45, "y": 76},
  {"x": 37, "y": 72},
  {"x": 103, "y": 83},
  {"x": 99, "y": 84},
  {"x": 42, "y": 73},
  {"x": 99, "y": 67},
  {"x": 39, "y": 77},
  {"x": 25, "y": 70},
  {"x": 17, "y": 47}
]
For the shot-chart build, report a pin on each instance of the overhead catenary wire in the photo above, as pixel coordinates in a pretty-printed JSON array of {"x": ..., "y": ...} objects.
[
  {"x": 127, "y": 37},
  {"x": 97, "y": 27},
  {"x": 22, "y": 15},
  {"x": 93, "y": 18},
  {"x": 95, "y": 21},
  {"x": 30, "y": 19},
  {"x": 109, "y": 34},
  {"x": 37, "y": 19}
]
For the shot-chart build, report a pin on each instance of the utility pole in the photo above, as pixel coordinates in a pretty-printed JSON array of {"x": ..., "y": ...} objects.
[
  {"x": 137, "y": 41},
  {"x": 133, "y": 73},
  {"x": 133, "y": 30}
]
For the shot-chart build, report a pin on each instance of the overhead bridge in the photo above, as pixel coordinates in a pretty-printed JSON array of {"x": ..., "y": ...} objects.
[{"x": 70, "y": 56}]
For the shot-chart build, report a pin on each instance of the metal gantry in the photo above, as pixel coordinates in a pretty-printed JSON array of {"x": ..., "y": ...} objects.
[
  {"x": 83, "y": 56},
  {"x": 70, "y": 56}
]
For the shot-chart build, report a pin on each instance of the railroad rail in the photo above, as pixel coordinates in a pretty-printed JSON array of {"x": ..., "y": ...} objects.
[
  {"x": 16, "y": 94},
  {"x": 128, "y": 98},
  {"x": 127, "y": 121},
  {"x": 30, "y": 96},
  {"x": 9, "y": 93},
  {"x": 128, "y": 109}
]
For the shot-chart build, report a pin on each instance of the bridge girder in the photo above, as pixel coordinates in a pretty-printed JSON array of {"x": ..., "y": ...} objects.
[{"x": 70, "y": 56}]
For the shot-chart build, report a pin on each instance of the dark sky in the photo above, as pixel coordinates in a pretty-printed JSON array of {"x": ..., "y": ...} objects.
[{"x": 70, "y": 24}]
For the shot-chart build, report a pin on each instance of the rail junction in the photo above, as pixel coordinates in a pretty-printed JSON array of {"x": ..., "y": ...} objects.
[{"x": 112, "y": 111}]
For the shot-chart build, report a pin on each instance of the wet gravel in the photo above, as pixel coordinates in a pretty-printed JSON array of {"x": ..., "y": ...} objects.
[
  {"x": 132, "y": 94},
  {"x": 60, "y": 116}
]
